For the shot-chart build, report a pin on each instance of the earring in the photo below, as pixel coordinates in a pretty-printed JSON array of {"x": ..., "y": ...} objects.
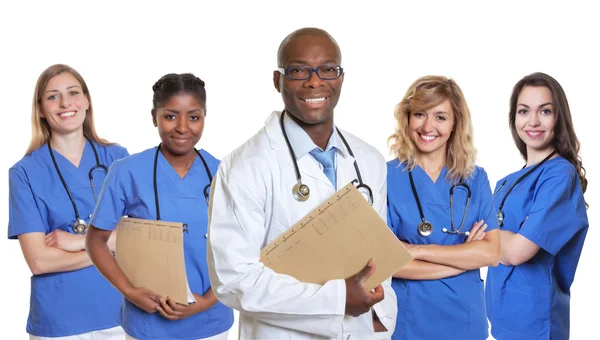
[{"x": 155, "y": 125}]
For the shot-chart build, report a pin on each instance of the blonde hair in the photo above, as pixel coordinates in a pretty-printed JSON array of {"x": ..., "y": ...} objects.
[
  {"x": 40, "y": 130},
  {"x": 427, "y": 92}
]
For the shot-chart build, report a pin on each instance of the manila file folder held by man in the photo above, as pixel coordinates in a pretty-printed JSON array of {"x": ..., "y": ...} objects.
[{"x": 335, "y": 241}]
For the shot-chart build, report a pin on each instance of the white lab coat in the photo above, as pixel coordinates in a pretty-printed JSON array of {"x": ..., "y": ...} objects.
[{"x": 251, "y": 205}]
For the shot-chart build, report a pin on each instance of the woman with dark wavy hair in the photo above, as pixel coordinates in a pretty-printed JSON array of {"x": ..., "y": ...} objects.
[{"x": 542, "y": 215}]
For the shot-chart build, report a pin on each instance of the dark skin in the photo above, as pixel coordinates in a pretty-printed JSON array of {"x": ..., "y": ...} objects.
[
  {"x": 180, "y": 123},
  {"x": 314, "y": 48}
]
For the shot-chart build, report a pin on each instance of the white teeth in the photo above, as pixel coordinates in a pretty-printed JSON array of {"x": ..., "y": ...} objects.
[
  {"x": 314, "y": 100},
  {"x": 428, "y": 138},
  {"x": 68, "y": 114},
  {"x": 534, "y": 133}
]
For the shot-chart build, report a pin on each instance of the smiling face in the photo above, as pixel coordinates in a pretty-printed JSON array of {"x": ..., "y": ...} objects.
[
  {"x": 535, "y": 118},
  {"x": 180, "y": 122},
  {"x": 63, "y": 104},
  {"x": 430, "y": 129},
  {"x": 310, "y": 101}
]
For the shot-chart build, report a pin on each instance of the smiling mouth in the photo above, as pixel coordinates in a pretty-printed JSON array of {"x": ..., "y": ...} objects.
[
  {"x": 67, "y": 114},
  {"x": 534, "y": 134},
  {"x": 314, "y": 100},
  {"x": 426, "y": 138}
]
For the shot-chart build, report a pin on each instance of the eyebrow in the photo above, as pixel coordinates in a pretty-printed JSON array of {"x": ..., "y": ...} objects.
[
  {"x": 68, "y": 88},
  {"x": 527, "y": 106},
  {"x": 190, "y": 111},
  {"x": 297, "y": 61}
]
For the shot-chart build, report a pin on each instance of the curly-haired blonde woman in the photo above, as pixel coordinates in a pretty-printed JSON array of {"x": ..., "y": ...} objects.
[{"x": 440, "y": 205}]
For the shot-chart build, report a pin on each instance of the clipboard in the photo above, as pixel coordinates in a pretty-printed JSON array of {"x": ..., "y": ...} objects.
[
  {"x": 150, "y": 253},
  {"x": 335, "y": 241}
]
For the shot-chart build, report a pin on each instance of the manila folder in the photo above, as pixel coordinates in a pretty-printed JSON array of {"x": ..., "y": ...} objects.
[
  {"x": 335, "y": 241},
  {"x": 150, "y": 253}
]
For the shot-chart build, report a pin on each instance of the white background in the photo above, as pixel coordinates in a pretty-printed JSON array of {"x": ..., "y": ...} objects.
[{"x": 121, "y": 49}]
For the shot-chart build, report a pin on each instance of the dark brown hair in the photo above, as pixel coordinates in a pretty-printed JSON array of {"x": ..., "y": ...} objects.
[{"x": 565, "y": 140}]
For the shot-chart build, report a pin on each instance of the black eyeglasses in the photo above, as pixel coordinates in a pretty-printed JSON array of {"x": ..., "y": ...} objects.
[{"x": 305, "y": 72}]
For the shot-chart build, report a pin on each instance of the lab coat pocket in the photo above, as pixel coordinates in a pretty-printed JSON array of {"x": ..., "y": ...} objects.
[{"x": 526, "y": 309}]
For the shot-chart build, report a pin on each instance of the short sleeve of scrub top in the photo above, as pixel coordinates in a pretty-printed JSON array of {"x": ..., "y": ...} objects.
[
  {"x": 550, "y": 223},
  {"x": 24, "y": 215}
]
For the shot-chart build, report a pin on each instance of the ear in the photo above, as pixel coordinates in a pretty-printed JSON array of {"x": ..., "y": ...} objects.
[
  {"x": 87, "y": 102},
  {"x": 276, "y": 78},
  {"x": 153, "y": 113}
]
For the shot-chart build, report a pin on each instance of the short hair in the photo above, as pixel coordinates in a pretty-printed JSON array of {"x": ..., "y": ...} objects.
[{"x": 307, "y": 31}]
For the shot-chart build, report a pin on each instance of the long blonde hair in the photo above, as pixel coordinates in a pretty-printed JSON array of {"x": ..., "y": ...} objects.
[
  {"x": 40, "y": 130},
  {"x": 427, "y": 92}
]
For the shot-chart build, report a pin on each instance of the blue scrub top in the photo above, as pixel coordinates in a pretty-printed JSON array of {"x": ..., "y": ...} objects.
[
  {"x": 531, "y": 301},
  {"x": 65, "y": 303},
  {"x": 129, "y": 190},
  {"x": 449, "y": 308}
]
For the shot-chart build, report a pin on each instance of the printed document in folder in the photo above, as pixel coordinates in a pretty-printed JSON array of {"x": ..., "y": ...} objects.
[
  {"x": 335, "y": 241},
  {"x": 150, "y": 253}
]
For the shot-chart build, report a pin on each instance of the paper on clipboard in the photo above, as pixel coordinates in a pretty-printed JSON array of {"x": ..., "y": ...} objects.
[
  {"x": 335, "y": 241},
  {"x": 150, "y": 253}
]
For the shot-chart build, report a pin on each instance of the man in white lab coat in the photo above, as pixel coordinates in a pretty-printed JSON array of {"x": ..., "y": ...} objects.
[{"x": 253, "y": 203}]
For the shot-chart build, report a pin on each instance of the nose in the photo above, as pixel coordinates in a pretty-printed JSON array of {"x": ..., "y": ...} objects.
[
  {"x": 314, "y": 81},
  {"x": 182, "y": 125},
  {"x": 534, "y": 119},
  {"x": 428, "y": 124},
  {"x": 65, "y": 101}
]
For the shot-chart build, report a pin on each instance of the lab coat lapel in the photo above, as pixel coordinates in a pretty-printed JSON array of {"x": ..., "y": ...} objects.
[
  {"x": 345, "y": 169},
  {"x": 307, "y": 166}
]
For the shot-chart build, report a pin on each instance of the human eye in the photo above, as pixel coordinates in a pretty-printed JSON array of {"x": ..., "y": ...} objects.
[
  {"x": 298, "y": 71},
  {"x": 194, "y": 117},
  {"x": 169, "y": 116},
  {"x": 419, "y": 114},
  {"x": 546, "y": 112},
  {"x": 52, "y": 97},
  {"x": 74, "y": 93},
  {"x": 441, "y": 118},
  {"x": 522, "y": 112}
]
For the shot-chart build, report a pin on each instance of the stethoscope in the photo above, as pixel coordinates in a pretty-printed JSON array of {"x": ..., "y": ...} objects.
[
  {"x": 500, "y": 214},
  {"x": 425, "y": 228},
  {"x": 205, "y": 191},
  {"x": 80, "y": 226},
  {"x": 301, "y": 191}
]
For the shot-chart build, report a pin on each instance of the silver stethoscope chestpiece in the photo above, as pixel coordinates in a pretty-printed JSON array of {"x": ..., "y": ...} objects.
[
  {"x": 425, "y": 228},
  {"x": 80, "y": 227},
  {"x": 447, "y": 231},
  {"x": 301, "y": 192},
  {"x": 500, "y": 216}
]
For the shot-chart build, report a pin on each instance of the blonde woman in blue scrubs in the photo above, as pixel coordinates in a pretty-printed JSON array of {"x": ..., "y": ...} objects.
[
  {"x": 51, "y": 198},
  {"x": 440, "y": 206}
]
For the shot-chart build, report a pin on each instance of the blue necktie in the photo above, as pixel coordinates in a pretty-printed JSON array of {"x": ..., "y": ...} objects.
[{"x": 326, "y": 158}]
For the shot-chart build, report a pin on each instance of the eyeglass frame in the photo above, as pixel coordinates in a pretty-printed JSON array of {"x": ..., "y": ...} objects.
[{"x": 284, "y": 71}]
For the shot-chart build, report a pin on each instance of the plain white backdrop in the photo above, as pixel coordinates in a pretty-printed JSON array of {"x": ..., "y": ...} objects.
[{"x": 122, "y": 48}]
